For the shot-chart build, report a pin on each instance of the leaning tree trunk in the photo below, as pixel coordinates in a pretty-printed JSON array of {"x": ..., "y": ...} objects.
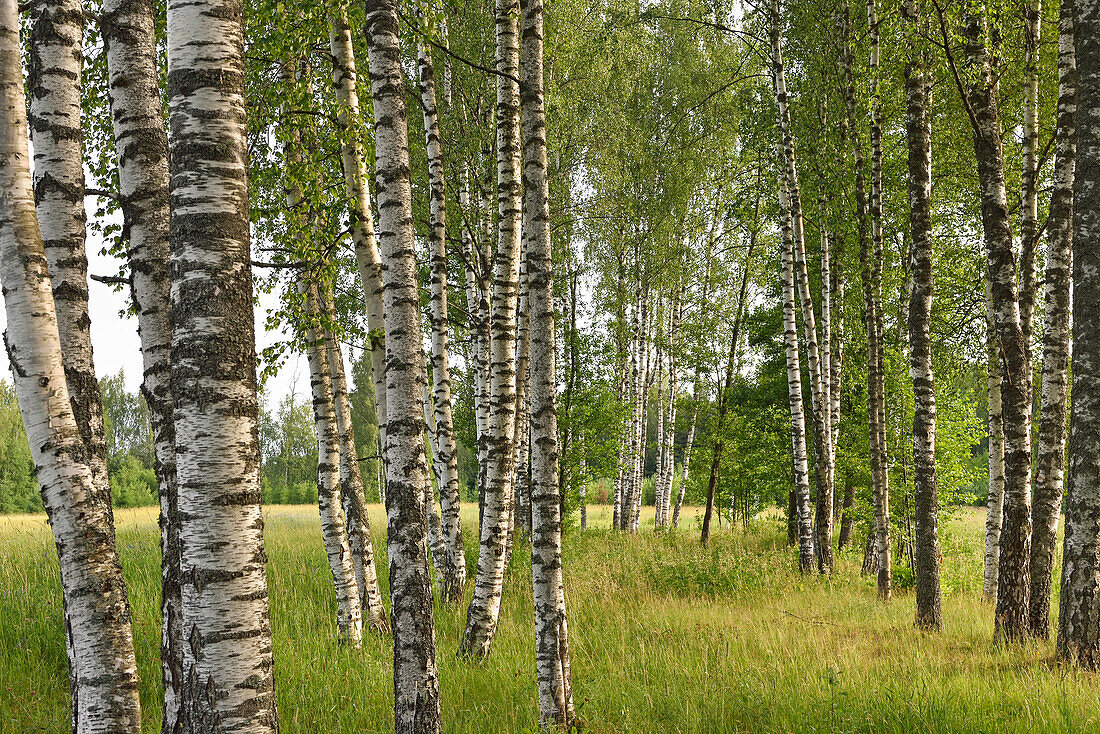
[
  {"x": 918, "y": 124},
  {"x": 415, "y": 677},
  {"x": 103, "y": 671},
  {"x": 54, "y": 75},
  {"x": 228, "y": 682},
  {"x": 349, "y": 615},
  {"x": 1078, "y": 612},
  {"x": 1050, "y": 460},
  {"x": 454, "y": 569},
  {"x": 141, "y": 146},
  {"x": 1013, "y": 583},
  {"x": 484, "y": 609},
  {"x": 551, "y": 630},
  {"x": 352, "y": 491},
  {"x": 369, "y": 261},
  {"x": 820, "y": 400}
]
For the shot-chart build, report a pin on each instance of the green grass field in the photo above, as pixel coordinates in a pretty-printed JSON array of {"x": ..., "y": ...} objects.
[{"x": 666, "y": 637}]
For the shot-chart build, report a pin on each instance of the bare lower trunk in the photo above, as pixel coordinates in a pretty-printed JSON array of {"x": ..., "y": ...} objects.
[
  {"x": 103, "y": 671},
  {"x": 349, "y": 617},
  {"x": 141, "y": 145},
  {"x": 446, "y": 458},
  {"x": 1013, "y": 583},
  {"x": 918, "y": 92},
  {"x": 352, "y": 491},
  {"x": 415, "y": 676},
  {"x": 995, "y": 429},
  {"x": 1050, "y": 460},
  {"x": 1078, "y": 611},
  {"x": 551, "y": 629},
  {"x": 484, "y": 609},
  {"x": 227, "y": 666},
  {"x": 687, "y": 456}
]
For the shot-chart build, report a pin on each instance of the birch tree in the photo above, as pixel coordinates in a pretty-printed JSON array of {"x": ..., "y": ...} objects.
[
  {"x": 228, "y": 682},
  {"x": 1050, "y": 455},
  {"x": 446, "y": 451},
  {"x": 484, "y": 609},
  {"x": 141, "y": 146},
  {"x": 103, "y": 673},
  {"x": 551, "y": 629},
  {"x": 415, "y": 676},
  {"x": 979, "y": 91},
  {"x": 918, "y": 129},
  {"x": 1077, "y": 612}
]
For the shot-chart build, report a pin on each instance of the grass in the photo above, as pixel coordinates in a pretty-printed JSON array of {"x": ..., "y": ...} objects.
[{"x": 665, "y": 637}]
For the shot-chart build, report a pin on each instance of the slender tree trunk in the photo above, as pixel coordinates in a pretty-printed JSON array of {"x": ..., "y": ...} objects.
[
  {"x": 54, "y": 75},
  {"x": 521, "y": 507},
  {"x": 918, "y": 124},
  {"x": 551, "y": 629},
  {"x": 845, "y": 536},
  {"x": 625, "y": 384},
  {"x": 1078, "y": 612},
  {"x": 1050, "y": 463},
  {"x": 484, "y": 609},
  {"x": 352, "y": 490},
  {"x": 141, "y": 144},
  {"x": 659, "y": 470},
  {"x": 801, "y": 501},
  {"x": 685, "y": 471},
  {"x": 368, "y": 259},
  {"x": 103, "y": 671},
  {"x": 995, "y": 429},
  {"x": 227, "y": 665},
  {"x": 1013, "y": 583},
  {"x": 349, "y": 616},
  {"x": 415, "y": 677},
  {"x": 819, "y": 398},
  {"x": 1029, "y": 180},
  {"x": 582, "y": 483},
  {"x": 454, "y": 570}
]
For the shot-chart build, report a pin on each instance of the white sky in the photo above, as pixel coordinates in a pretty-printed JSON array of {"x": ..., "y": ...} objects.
[{"x": 115, "y": 340}]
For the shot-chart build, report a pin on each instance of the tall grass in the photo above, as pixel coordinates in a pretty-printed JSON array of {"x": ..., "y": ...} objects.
[{"x": 666, "y": 637}]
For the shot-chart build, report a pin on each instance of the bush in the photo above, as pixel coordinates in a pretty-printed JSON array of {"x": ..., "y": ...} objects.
[{"x": 132, "y": 483}]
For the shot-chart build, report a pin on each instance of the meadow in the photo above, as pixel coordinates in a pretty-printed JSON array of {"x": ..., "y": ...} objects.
[{"x": 665, "y": 637}]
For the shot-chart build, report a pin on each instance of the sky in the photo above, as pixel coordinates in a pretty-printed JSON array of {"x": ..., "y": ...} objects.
[{"x": 116, "y": 346}]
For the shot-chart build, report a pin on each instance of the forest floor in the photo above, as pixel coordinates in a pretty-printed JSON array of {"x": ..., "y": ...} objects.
[{"x": 664, "y": 637}]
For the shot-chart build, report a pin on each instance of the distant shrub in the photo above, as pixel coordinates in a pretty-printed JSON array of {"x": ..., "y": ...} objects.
[{"x": 132, "y": 483}]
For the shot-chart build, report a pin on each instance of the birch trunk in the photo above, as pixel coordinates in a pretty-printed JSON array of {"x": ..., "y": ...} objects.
[
  {"x": 349, "y": 616},
  {"x": 820, "y": 400},
  {"x": 102, "y": 668},
  {"x": 551, "y": 629},
  {"x": 368, "y": 259},
  {"x": 415, "y": 677},
  {"x": 794, "y": 388},
  {"x": 54, "y": 75},
  {"x": 454, "y": 568},
  {"x": 1013, "y": 584},
  {"x": 622, "y": 394},
  {"x": 228, "y": 682},
  {"x": 484, "y": 609},
  {"x": 521, "y": 506},
  {"x": 1029, "y": 183},
  {"x": 918, "y": 123},
  {"x": 1050, "y": 460},
  {"x": 141, "y": 145},
  {"x": 659, "y": 473},
  {"x": 685, "y": 471},
  {"x": 1078, "y": 613},
  {"x": 633, "y": 510},
  {"x": 994, "y": 514},
  {"x": 352, "y": 491}
]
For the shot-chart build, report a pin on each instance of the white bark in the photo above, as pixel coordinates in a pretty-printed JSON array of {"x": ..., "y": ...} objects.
[
  {"x": 415, "y": 676},
  {"x": 227, "y": 663},
  {"x": 349, "y": 617},
  {"x": 484, "y": 609},
  {"x": 141, "y": 146},
  {"x": 103, "y": 671}
]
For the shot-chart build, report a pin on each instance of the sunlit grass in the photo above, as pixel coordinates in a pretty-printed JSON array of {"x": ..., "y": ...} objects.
[{"x": 665, "y": 636}]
